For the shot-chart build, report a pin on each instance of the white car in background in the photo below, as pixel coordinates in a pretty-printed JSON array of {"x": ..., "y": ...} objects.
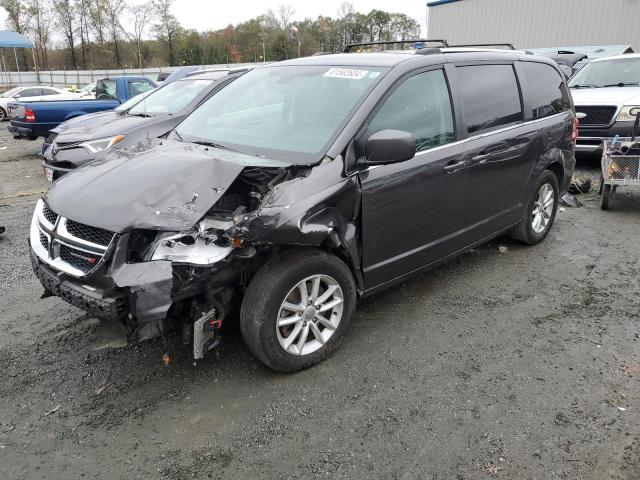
[
  {"x": 31, "y": 94},
  {"x": 88, "y": 91},
  {"x": 607, "y": 91}
]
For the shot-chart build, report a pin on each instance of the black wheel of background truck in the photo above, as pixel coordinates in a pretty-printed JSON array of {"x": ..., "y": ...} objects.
[
  {"x": 540, "y": 210},
  {"x": 3, "y": 115},
  {"x": 605, "y": 198},
  {"x": 297, "y": 308}
]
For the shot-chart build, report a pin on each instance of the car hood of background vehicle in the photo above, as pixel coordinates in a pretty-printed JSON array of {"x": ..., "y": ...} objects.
[
  {"x": 86, "y": 121},
  {"x": 106, "y": 126},
  {"x": 606, "y": 96},
  {"x": 168, "y": 187}
]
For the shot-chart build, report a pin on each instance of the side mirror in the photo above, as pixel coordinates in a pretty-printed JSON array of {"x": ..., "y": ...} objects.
[
  {"x": 390, "y": 146},
  {"x": 581, "y": 115},
  {"x": 634, "y": 111},
  {"x": 17, "y": 95}
]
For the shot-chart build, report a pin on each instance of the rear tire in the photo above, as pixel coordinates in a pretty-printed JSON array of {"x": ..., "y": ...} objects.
[
  {"x": 605, "y": 198},
  {"x": 540, "y": 210},
  {"x": 3, "y": 115},
  {"x": 278, "y": 339}
]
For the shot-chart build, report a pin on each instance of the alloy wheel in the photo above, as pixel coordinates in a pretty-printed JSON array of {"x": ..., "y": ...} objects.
[
  {"x": 543, "y": 208},
  {"x": 309, "y": 315}
]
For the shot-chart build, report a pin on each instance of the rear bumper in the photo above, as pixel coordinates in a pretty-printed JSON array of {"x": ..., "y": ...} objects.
[
  {"x": 590, "y": 139},
  {"x": 21, "y": 132}
]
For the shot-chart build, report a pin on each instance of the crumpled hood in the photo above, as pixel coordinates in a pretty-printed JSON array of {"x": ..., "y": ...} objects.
[
  {"x": 169, "y": 186},
  {"x": 606, "y": 96},
  {"x": 86, "y": 121}
]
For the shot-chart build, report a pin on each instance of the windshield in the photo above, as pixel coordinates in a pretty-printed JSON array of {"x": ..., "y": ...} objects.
[
  {"x": 608, "y": 73},
  {"x": 8, "y": 93},
  {"x": 288, "y": 113},
  {"x": 123, "y": 107},
  {"x": 171, "y": 98}
]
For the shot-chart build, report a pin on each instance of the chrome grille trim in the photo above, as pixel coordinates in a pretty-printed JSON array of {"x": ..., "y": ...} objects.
[{"x": 59, "y": 235}]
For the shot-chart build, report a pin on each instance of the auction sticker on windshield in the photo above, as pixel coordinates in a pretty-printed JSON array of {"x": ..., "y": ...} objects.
[{"x": 349, "y": 73}]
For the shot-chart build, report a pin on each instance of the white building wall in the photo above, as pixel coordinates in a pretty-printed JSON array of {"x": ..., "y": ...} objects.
[{"x": 537, "y": 23}]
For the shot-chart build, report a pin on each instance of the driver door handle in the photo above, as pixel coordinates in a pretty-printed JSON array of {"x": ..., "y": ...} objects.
[{"x": 453, "y": 165}]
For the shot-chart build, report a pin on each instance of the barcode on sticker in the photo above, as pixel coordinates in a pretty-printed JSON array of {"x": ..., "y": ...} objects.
[{"x": 350, "y": 73}]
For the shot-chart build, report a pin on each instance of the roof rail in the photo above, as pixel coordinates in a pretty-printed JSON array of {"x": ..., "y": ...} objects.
[
  {"x": 351, "y": 46},
  {"x": 508, "y": 46}
]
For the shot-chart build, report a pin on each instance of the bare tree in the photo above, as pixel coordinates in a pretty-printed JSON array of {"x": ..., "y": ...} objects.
[
  {"x": 114, "y": 10},
  {"x": 141, "y": 16},
  {"x": 82, "y": 9},
  {"x": 40, "y": 26},
  {"x": 167, "y": 26},
  {"x": 285, "y": 12},
  {"x": 66, "y": 19},
  {"x": 98, "y": 17}
]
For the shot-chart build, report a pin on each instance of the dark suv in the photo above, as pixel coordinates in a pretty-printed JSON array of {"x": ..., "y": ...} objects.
[{"x": 305, "y": 185}]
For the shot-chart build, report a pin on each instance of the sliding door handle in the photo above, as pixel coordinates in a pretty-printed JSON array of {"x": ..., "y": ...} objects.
[{"x": 453, "y": 165}]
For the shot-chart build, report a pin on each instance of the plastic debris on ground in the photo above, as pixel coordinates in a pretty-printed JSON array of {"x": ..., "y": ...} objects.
[{"x": 568, "y": 200}]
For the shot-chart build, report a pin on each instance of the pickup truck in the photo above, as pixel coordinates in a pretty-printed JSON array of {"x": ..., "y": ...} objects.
[
  {"x": 607, "y": 94},
  {"x": 30, "y": 120}
]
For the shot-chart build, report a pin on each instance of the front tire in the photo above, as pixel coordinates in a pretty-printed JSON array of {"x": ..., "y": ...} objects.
[
  {"x": 540, "y": 210},
  {"x": 3, "y": 115},
  {"x": 297, "y": 308}
]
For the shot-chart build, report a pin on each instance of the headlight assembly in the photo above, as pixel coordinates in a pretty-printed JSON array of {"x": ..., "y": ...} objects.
[
  {"x": 194, "y": 247},
  {"x": 95, "y": 146},
  {"x": 628, "y": 113}
]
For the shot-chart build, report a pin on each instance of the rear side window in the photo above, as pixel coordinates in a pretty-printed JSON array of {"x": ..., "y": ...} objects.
[
  {"x": 546, "y": 92},
  {"x": 139, "y": 86},
  {"x": 420, "y": 106},
  {"x": 491, "y": 97},
  {"x": 48, "y": 91},
  {"x": 31, "y": 92},
  {"x": 106, "y": 89}
]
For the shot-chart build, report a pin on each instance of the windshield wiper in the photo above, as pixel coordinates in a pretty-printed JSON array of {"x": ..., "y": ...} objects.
[
  {"x": 586, "y": 85},
  {"x": 215, "y": 145},
  {"x": 144, "y": 115},
  {"x": 175, "y": 132},
  {"x": 623, "y": 84}
]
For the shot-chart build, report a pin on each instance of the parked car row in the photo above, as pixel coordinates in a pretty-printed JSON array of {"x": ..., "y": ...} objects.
[
  {"x": 89, "y": 137},
  {"x": 32, "y": 94},
  {"x": 32, "y": 119},
  {"x": 276, "y": 197}
]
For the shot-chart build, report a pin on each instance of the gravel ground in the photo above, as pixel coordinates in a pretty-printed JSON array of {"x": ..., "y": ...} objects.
[{"x": 521, "y": 364}]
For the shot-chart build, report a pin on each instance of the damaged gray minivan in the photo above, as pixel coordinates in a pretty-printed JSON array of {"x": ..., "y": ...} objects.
[{"x": 305, "y": 185}]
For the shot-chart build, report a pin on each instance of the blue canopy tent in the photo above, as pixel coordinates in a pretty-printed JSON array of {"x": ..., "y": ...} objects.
[{"x": 9, "y": 39}]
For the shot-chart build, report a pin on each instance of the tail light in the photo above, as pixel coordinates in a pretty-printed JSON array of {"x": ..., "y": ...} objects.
[
  {"x": 29, "y": 115},
  {"x": 574, "y": 135}
]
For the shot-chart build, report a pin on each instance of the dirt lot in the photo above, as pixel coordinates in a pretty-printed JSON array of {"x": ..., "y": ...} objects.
[{"x": 521, "y": 364}]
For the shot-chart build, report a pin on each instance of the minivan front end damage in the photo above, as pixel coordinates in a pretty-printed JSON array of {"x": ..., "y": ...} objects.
[{"x": 151, "y": 280}]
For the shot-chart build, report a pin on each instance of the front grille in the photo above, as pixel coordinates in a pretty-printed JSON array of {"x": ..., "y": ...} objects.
[
  {"x": 90, "y": 234},
  {"x": 596, "y": 114},
  {"x": 68, "y": 246},
  {"x": 63, "y": 145},
  {"x": 44, "y": 241},
  {"x": 51, "y": 216},
  {"x": 77, "y": 258}
]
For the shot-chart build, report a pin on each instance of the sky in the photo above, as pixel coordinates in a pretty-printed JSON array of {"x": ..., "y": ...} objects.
[
  {"x": 215, "y": 14},
  {"x": 205, "y": 15}
]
